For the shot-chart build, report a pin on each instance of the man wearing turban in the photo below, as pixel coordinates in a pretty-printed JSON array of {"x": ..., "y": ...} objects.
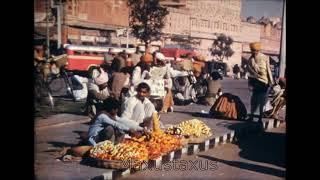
[
  {"x": 260, "y": 79},
  {"x": 98, "y": 89}
]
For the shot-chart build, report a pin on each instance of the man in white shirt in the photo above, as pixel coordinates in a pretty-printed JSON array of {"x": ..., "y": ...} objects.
[{"x": 138, "y": 107}]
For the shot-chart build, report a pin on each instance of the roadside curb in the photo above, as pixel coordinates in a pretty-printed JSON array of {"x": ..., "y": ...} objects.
[{"x": 190, "y": 149}]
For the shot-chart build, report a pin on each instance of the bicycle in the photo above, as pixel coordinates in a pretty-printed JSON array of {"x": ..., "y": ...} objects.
[
  {"x": 46, "y": 73},
  {"x": 42, "y": 92}
]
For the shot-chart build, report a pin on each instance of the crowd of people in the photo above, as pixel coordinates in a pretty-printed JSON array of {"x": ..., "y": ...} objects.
[{"x": 118, "y": 91}]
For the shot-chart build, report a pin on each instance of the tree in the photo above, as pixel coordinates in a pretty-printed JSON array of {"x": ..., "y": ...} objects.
[
  {"x": 221, "y": 47},
  {"x": 147, "y": 19}
]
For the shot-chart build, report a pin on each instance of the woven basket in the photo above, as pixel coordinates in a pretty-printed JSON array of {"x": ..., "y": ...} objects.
[{"x": 111, "y": 164}]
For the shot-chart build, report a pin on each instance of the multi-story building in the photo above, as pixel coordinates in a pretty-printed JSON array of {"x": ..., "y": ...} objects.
[
  {"x": 86, "y": 22},
  {"x": 195, "y": 24},
  {"x": 190, "y": 24}
]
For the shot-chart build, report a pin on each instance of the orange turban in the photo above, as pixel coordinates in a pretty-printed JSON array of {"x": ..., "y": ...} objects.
[
  {"x": 255, "y": 46},
  {"x": 147, "y": 58}
]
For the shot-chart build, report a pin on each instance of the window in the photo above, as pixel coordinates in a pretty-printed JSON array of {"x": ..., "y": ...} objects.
[
  {"x": 233, "y": 28},
  {"x": 216, "y": 25},
  {"x": 224, "y": 26}
]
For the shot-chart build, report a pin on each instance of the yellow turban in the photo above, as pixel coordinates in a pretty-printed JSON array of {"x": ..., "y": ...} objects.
[
  {"x": 255, "y": 46},
  {"x": 200, "y": 58}
]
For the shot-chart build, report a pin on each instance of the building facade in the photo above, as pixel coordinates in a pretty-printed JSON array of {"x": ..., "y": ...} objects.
[
  {"x": 190, "y": 24},
  {"x": 94, "y": 22},
  {"x": 195, "y": 24}
]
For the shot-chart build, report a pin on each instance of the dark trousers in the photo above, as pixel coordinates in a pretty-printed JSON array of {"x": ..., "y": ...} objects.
[
  {"x": 259, "y": 97},
  {"x": 258, "y": 100},
  {"x": 110, "y": 133}
]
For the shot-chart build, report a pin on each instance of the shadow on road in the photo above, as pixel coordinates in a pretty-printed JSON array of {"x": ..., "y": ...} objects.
[
  {"x": 267, "y": 147},
  {"x": 60, "y": 144},
  {"x": 248, "y": 166},
  {"x": 83, "y": 135}
]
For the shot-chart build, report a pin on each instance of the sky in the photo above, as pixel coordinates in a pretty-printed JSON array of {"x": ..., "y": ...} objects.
[{"x": 259, "y": 8}]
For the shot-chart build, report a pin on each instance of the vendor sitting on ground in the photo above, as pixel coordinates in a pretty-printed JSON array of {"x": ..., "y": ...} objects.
[
  {"x": 108, "y": 126},
  {"x": 279, "y": 99},
  {"x": 214, "y": 88},
  {"x": 97, "y": 90},
  {"x": 138, "y": 107}
]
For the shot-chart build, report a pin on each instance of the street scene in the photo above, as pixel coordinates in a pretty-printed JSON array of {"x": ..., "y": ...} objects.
[{"x": 159, "y": 89}]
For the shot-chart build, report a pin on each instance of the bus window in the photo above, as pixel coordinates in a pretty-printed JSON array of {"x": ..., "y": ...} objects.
[
  {"x": 86, "y": 53},
  {"x": 100, "y": 54},
  {"x": 77, "y": 53}
]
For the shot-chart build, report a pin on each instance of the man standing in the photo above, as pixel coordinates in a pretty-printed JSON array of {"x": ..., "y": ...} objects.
[
  {"x": 135, "y": 57},
  {"x": 108, "y": 57},
  {"x": 236, "y": 71},
  {"x": 260, "y": 79},
  {"x": 138, "y": 107}
]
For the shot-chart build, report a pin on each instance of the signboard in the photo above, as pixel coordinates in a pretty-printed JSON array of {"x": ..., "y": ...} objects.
[
  {"x": 157, "y": 72},
  {"x": 101, "y": 39},
  {"x": 156, "y": 82},
  {"x": 75, "y": 37},
  {"x": 87, "y": 38},
  {"x": 156, "y": 87}
]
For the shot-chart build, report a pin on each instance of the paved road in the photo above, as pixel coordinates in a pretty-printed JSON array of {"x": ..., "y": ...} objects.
[{"x": 254, "y": 157}]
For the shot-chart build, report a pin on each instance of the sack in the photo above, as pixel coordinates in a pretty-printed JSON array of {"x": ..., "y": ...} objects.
[
  {"x": 228, "y": 106},
  {"x": 267, "y": 107},
  {"x": 79, "y": 85}
]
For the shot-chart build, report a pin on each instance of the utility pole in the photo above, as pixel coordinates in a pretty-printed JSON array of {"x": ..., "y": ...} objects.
[
  {"x": 127, "y": 46},
  {"x": 59, "y": 24},
  {"x": 47, "y": 26},
  {"x": 283, "y": 43},
  {"x": 59, "y": 15}
]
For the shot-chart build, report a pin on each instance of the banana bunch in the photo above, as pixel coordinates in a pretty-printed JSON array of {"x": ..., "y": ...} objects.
[
  {"x": 193, "y": 127},
  {"x": 156, "y": 122}
]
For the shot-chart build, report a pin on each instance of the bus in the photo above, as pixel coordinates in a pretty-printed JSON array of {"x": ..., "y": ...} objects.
[{"x": 81, "y": 57}]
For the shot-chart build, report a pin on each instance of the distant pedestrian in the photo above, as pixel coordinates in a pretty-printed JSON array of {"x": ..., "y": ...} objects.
[{"x": 236, "y": 71}]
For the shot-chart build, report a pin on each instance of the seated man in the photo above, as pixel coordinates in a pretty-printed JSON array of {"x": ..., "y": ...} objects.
[
  {"x": 138, "y": 107},
  {"x": 214, "y": 88},
  {"x": 279, "y": 99},
  {"x": 98, "y": 90},
  {"x": 108, "y": 126}
]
